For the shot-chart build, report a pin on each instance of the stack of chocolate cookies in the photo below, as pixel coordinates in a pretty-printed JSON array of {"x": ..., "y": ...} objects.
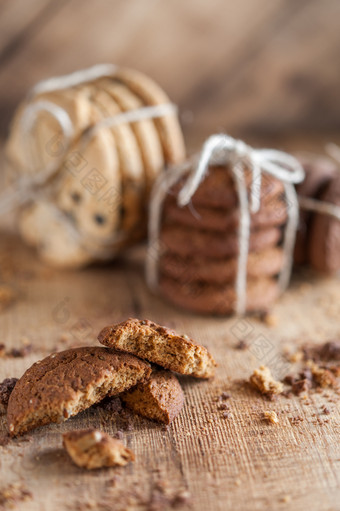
[
  {"x": 318, "y": 236},
  {"x": 198, "y": 260},
  {"x": 94, "y": 202}
]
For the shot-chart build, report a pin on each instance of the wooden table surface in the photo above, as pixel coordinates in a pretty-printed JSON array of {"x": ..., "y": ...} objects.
[{"x": 240, "y": 462}]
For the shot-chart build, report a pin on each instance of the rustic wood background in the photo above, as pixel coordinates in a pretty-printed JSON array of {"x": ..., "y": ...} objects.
[
  {"x": 258, "y": 68},
  {"x": 247, "y": 66},
  {"x": 240, "y": 462}
]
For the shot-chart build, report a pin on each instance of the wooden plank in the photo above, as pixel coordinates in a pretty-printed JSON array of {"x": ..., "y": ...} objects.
[{"x": 235, "y": 463}]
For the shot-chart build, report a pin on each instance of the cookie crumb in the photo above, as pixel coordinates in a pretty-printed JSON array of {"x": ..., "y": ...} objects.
[
  {"x": 241, "y": 345},
  {"x": 6, "y": 388},
  {"x": 92, "y": 449},
  {"x": 224, "y": 396},
  {"x": 13, "y": 494},
  {"x": 22, "y": 352},
  {"x": 7, "y": 296},
  {"x": 271, "y": 416},
  {"x": 262, "y": 380},
  {"x": 286, "y": 499},
  {"x": 270, "y": 319}
]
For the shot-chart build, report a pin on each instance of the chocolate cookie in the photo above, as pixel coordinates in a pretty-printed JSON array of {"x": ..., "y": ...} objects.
[
  {"x": 221, "y": 220},
  {"x": 217, "y": 190},
  {"x": 219, "y": 300},
  {"x": 319, "y": 171},
  {"x": 91, "y": 449},
  {"x": 189, "y": 242},
  {"x": 220, "y": 271},
  {"x": 66, "y": 383},
  {"x": 160, "y": 345},
  {"x": 324, "y": 241},
  {"x": 160, "y": 398}
]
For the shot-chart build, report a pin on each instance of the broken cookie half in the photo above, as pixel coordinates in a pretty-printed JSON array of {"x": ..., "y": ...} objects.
[
  {"x": 66, "y": 383},
  {"x": 91, "y": 449},
  {"x": 160, "y": 398},
  {"x": 159, "y": 345}
]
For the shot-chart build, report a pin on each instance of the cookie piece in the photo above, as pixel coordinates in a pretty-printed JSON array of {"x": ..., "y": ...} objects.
[
  {"x": 218, "y": 300},
  {"x": 168, "y": 125},
  {"x": 217, "y": 190},
  {"x": 160, "y": 345},
  {"x": 324, "y": 241},
  {"x": 189, "y": 242},
  {"x": 66, "y": 383},
  {"x": 91, "y": 449},
  {"x": 221, "y": 220},
  {"x": 144, "y": 130},
  {"x": 319, "y": 171},
  {"x": 262, "y": 380},
  {"x": 48, "y": 230},
  {"x": 220, "y": 271},
  {"x": 161, "y": 398},
  {"x": 6, "y": 389}
]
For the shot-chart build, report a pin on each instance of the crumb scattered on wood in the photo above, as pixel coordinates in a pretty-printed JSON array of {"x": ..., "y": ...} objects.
[
  {"x": 7, "y": 296},
  {"x": 13, "y": 494},
  {"x": 241, "y": 345},
  {"x": 23, "y": 351},
  {"x": 271, "y": 416},
  {"x": 263, "y": 381},
  {"x": 6, "y": 388},
  {"x": 93, "y": 449}
]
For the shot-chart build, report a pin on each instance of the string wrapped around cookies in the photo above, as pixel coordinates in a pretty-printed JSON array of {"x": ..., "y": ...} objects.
[
  {"x": 222, "y": 228},
  {"x": 84, "y": 151}
]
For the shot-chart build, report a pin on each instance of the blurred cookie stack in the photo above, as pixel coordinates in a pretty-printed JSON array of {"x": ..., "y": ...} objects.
[
  {"x": 199, "y": 244},
  {"x": 318, "y": 236},
  {"x": 91, "y": 179}
]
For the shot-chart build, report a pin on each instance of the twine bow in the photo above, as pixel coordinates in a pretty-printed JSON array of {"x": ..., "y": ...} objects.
[{"x": 224, "y": 150}]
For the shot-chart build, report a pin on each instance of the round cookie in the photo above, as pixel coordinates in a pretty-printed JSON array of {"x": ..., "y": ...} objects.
[
  {"x": 189, "y": 242},
  {"x": 221, "y": 220},
  {"x": 217, "y": 190},
  {"x": 324, "y": 240},
  {"x": 46, "y": 145},
  {"x": 220, "y": 271},
  {"x": 319, "y": 171},
  {"x": 168, "y": 126},
  {"x": 66, "y": 383},
  {"x": 44, "y": 227},
  {"x": 89, "y": 190},
  {"x": 131, "y": 165},
  {"x": 144, "y": 130},
  {"x": 219, "y": 300}
]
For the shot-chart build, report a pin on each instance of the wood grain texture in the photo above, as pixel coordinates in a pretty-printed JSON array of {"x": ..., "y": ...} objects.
[
  {"x": 246, "y": 66},
  {"x": 239, "y": 462}
]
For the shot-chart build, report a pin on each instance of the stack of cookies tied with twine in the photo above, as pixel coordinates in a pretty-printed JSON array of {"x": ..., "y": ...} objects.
[
  {"x": 222, "y": 228},
  {"x": 83, "y": 151},
  {"x": 318, "y": 236}
]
